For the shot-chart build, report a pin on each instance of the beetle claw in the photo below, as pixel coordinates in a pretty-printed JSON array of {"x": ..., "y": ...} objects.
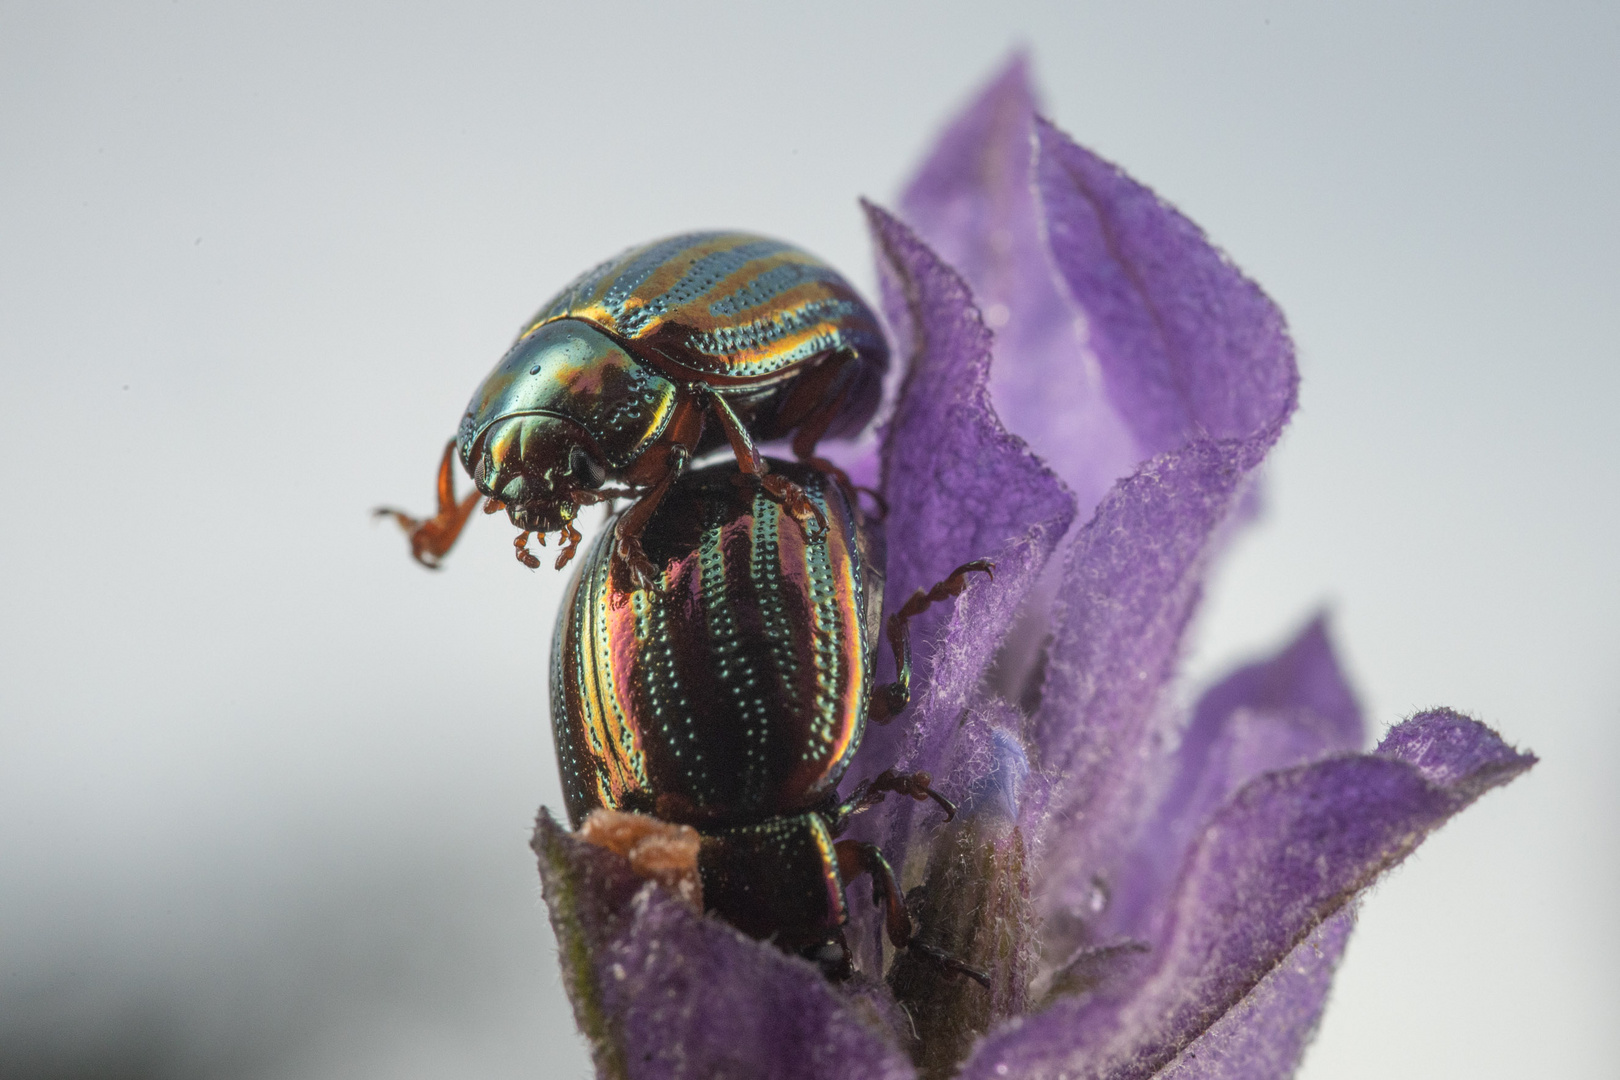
[
  {"x": 793, "y": 500},
  {"x": 628, "y": 554},
  {"x": 432, "y": 538}
]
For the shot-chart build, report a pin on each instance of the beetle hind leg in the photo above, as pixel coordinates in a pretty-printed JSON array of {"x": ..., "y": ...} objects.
[
  {"x": 432, "y": 539},
  {"x": 855, "y": 858}
]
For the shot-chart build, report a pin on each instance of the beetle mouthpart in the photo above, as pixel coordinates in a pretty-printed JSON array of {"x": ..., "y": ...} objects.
[{"x": 542, "y": 516}]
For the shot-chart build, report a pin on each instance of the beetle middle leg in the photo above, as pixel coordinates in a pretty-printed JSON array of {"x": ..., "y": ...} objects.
[
  {"x": 887, "y": 701},
  {"x": 749, "y": 461},
  {"x": 432, "y": 539},
  {"x": 915, "y": 785}
]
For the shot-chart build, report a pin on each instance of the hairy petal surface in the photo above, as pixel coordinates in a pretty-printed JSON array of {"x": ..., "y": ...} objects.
[
  {"x": 1289, "y": 851},
  {"x": 973, "y": 200},
  {"x": 1198, "y": 361},
  {"x": 1264, "y": 1036},
  {"x": 1133, "y": 577},
  {"x": 664, "y": 993},
  {"x": 1189, "y": 347},
  {"x": 1286, "y": 710},
  {"x": 959, "y": 487}
]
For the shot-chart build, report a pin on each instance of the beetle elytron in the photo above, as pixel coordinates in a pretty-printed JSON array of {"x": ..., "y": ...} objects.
[
  {"x": 732, "y": 696},
  {"x": 654, "y": 358}
]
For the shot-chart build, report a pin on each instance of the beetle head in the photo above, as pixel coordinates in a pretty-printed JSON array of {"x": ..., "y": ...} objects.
[
  {"x": 535, "y": 464},
  {"x": 564, "y": 411}
]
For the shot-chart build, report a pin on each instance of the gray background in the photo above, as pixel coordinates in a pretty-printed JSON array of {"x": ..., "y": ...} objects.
[{"x": 265, "y": 786}]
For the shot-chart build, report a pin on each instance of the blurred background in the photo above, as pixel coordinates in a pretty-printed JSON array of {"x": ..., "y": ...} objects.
[{"x": 266, "y": 786}]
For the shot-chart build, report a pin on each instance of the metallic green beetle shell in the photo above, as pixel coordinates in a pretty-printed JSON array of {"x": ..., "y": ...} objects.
[
  {"x": 729, "y": 308},
  {"x": 736, "y": 692},
  {"x": 572, "y": 371}
]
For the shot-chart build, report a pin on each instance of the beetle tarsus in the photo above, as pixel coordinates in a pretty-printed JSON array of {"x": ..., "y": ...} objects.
[
  {"x": 950, "y": 963},
  {"x": 793, "y": 500},
  {"x": 433, "y": 538},
  {"x": 889, "y": 700},
  {"x": 917, "y": 785}
]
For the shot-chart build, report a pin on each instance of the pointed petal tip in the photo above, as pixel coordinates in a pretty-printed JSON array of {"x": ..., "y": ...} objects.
[
  {"x": 1455, "y": 752},
  {"x": 1189, "y": 344}
]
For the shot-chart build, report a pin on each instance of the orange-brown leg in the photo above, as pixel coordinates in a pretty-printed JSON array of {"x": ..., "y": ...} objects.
[
  {"x": 432, "y": 539},
  {"x": 889, "y": 700},
  {"x": 627, "y": 533},
  {"x": 783, "y": 490}
]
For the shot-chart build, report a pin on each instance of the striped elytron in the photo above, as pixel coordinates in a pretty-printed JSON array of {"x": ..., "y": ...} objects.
[
  {"x": 732, "y": 696},
  {"x": 669, "y": 351}
]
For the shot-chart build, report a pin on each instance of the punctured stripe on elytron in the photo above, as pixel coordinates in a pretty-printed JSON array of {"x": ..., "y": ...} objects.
[
  {"x": 732, "y": 695},
  {"x": 652, "y": 359}
]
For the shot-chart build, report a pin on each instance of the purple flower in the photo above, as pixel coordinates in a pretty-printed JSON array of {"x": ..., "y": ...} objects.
[{"x": 1091, "y": 388}]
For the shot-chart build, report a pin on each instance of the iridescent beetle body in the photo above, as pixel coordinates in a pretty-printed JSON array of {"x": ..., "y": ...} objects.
[
  {"x": 654, "y": 358},
  {"x": 733, "y": 695}
]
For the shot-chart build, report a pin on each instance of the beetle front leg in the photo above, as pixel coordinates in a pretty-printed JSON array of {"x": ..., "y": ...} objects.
[
  {"x": 627, "y": 531},
  {"x": 887, "y": 701},
  {"x": 432, "y": 539}
]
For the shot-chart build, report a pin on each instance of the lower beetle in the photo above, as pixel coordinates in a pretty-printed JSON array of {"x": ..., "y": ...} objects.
[
  {"x": 732, "y": 695},
  {"x": 654, "y": 358}
]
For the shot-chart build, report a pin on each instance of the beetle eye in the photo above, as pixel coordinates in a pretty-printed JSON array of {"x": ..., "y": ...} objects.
[{"x": 584, "y": 470}]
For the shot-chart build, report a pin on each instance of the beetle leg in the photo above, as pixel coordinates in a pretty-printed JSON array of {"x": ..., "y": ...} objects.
[
  {"x": 783, "y": 490},
  {"x": 951, "y": 963},
  {"x": 917, "y": 785},
  {"x": 432, "y": 539},
  {"x": 627, "y": 533},
  {"x": 810, "y": 387},
  {"x": 856, "y": 858},
  {"x": 889, "y": 700}
]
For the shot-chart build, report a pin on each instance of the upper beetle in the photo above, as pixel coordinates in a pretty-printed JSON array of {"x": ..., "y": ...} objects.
[
  {"x": 655, "y": 357},
  {"x": 732, "y": 698}
]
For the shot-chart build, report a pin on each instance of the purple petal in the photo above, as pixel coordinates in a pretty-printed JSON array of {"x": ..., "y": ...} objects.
[
  {"x": 1264, "y": 1037},
  {"x": 1132, "y": 579},
  {"x": 1289, "y": 709},
  {"x": 1288, "y": 852},
  {"x": 1451, "y": 750},
  {"x": 662, "y": 993},
  {"x": 1189, "y": 347},
  {"x": 973, "y": 200},
  {"x": 959, "y": 487}
]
